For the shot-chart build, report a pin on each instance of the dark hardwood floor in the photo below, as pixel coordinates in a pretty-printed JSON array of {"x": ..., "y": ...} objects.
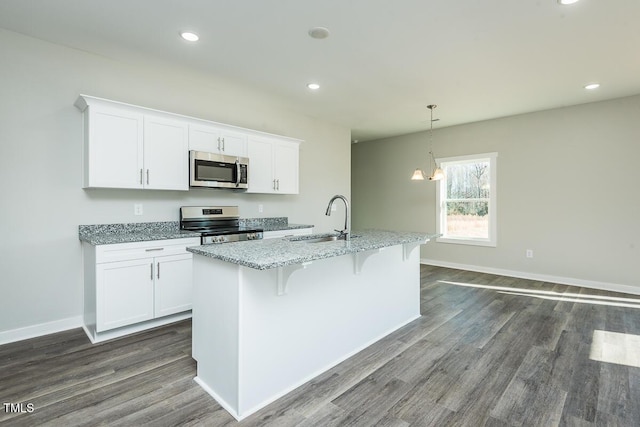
[{"x": 479, "y": 356}]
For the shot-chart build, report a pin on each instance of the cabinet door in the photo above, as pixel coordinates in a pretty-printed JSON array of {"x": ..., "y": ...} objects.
[
  {"x": 285, "y": 165},
  {"x": 113, "y": 145},
  {"x": 215, "y": 140},
  {"x": 233, "y": 144},
  {"x": 124, "y": 293},
  {"x": 204, "y": 138},
  {"x": 260, "y": 153},
  {"x": 173, "y": 287},
  {"x": 166, "y": 154}
]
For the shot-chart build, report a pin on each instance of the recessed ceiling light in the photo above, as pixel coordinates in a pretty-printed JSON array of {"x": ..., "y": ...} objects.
[
  {"x": 190, "y": 37},
  {"x": 592, "y": 86},
  {"x": 567, "y": 1},
  {"x": 319, "y": 32},
  {"x": 313, "y": 86}
]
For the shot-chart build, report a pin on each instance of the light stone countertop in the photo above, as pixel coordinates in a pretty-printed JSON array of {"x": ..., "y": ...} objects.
[
  {"x": 107, "y": 234},
  {"x": 272, "y": 253},
  {"x": 285, "y": 227}
]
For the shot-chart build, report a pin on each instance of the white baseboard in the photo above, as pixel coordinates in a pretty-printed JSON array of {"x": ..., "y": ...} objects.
[
  {"x": 613, "y": 287},
  {"x": 40, "y": 329}
]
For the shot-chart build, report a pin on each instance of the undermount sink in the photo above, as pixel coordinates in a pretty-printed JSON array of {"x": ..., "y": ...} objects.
[
  {"x": 319, "y": 239},
  {"x": 323, "y": 239}
]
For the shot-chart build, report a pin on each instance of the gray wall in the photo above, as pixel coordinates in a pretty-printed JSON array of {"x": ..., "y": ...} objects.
[
  {"x": 568, "y": 188},
  {"x": 41, "y": 170}
]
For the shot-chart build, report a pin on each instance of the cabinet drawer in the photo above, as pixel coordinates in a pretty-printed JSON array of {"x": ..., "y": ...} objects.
[{"x": 138, "y": 250}]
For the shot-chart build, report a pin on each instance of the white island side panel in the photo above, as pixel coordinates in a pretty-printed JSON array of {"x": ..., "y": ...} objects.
[
  {"x": 254, "y": 346},
  {"x": 215, "y": 329}
]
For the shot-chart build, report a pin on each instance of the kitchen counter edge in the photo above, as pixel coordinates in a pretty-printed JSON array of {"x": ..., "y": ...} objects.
[
  {"x": 108, "y": 234},
  {"x": 272, "y": 253}
]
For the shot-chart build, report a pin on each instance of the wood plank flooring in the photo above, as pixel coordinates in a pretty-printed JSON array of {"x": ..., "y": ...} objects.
[{"x": 477, "y": 357}]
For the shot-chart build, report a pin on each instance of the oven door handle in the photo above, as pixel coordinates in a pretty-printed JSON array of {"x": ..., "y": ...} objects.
[{"x": 237, "y": 173}]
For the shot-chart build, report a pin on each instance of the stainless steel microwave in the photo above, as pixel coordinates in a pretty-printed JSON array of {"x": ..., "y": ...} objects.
[{"x": 217, "y": 170}]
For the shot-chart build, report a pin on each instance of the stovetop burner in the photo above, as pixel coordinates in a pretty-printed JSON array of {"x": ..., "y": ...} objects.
[{"x": 216, "y": 224}]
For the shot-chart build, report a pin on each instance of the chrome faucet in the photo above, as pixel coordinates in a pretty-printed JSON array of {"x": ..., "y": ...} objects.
[{"x": 347, "y": 220}]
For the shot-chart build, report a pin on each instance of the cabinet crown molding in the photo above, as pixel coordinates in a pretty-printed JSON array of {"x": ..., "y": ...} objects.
[{"x": 84, "y": 101}]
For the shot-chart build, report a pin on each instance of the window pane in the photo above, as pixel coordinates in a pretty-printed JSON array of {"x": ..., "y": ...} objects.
[
  {"x": 467, "y": 219},
  {"x": 468, "y": 180},
  {"x": 466, "y": 203}
]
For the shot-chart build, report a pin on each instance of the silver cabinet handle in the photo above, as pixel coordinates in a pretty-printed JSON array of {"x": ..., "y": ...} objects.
[
  {"x": 274, "y": 185},
  {"x": 278, "y": 181},
  {"x": 158, "y": 270},
  {"x": 222, "y": 144},
  {"x": 218, "y": 143},
  {"x": 140, "y": 176},
  {"x": 151, "y": 265},
  {"x": 238, "y": 171},
  {"x": 147, "y": 176},
  {"x": 154, "y": 249}
]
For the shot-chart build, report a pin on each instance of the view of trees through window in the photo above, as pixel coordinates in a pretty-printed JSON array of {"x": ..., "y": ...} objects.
[{"x": 467, "y": 199}]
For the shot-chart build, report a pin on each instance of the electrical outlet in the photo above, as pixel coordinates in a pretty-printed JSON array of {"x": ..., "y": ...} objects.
[
  {"x": 260, "y": 208},
  {"x": 529, "y": 253},
  {"x": 137, "y": 209}
]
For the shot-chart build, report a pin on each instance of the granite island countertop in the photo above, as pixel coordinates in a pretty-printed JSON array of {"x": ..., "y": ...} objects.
[{"x": 272, "y": 253}]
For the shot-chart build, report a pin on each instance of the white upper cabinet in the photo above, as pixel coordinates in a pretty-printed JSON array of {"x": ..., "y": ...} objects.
[
  {"x": 260, "y": 177},
  {"x": 166, "y": 158},
  {"x": 273, "y": 165},
  {"x": 213, "y": 139},
  {"x": 126, "y": 147},
  {"x": 234, "y": 144},
  {"x": 285, "y": 165},
  {"x": 113, "y": 147}
]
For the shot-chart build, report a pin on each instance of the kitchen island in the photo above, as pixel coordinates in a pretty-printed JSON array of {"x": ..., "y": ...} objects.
[{"x": 270, "y": 315}]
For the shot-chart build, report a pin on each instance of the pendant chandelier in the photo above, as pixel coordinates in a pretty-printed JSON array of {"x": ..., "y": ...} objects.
[{"x": 436, "y": 172}]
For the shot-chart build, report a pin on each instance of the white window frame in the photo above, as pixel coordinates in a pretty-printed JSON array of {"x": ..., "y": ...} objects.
[{"x": 441, "y": 191}]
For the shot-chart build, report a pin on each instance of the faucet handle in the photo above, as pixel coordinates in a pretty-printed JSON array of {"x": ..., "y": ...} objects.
[{"x": 342, "y": 232}]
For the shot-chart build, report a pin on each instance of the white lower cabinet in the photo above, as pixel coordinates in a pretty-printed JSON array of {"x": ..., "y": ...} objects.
[
  {"x": 173, "y": 284},
  {"x": 135, "y": 286},
  {"x": 124, "y": 293}
]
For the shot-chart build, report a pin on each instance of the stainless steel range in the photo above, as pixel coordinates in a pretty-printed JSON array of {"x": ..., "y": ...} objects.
[{"x": 216, "y": 224}]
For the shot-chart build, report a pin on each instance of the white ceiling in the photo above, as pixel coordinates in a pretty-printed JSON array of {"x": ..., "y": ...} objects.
[{"x": 384, "y": 60}]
